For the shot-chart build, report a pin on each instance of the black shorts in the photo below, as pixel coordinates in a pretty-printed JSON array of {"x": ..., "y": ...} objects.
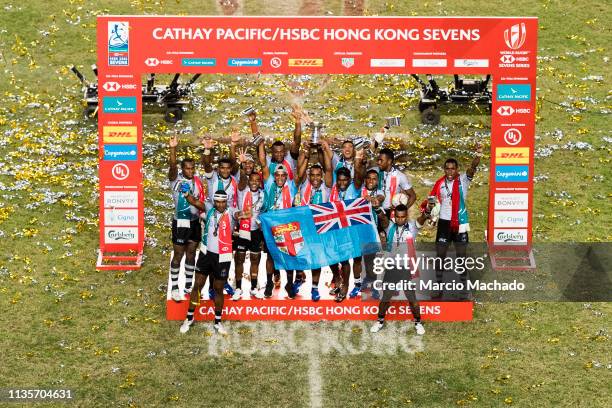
[
  {"x": 398, "y": 276},
  {"x": 251, "y": 245},
  {"x": 209, "y": 264},
  {"x": 181, "y": 236},
  {"x": 445, "y": 235}
]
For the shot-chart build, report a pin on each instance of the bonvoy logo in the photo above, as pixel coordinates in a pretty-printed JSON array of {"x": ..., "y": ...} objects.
[
  {"x": 515, "y": 36},
  {"x": 120, "y": 199},
  {"x": 511, "y": 201}
]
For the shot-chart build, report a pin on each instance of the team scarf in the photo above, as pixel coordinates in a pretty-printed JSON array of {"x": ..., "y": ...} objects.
[
  {"x": 285, "y": 164},
  {"x": 183, "y": 208},
  {"x": 335, "y": 193},
  {"x": 272, "y": 196},
  {"x": 309, "y": 198},
  {"x": 221, "y": 186},
  {"x": 409, "y": 244},
  {"x": 224, "y": 231},
  {"x": 382, "y": 181},
  {"x": 244, "y": 230},
  {"x": 459, "y": 216}
]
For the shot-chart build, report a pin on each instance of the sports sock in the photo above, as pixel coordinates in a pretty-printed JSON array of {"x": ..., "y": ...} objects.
[
  {"x": 174, "y": 274},
  {"x": 189, "y": 269},
  {"x": 190, "y": 315},
  {"x": 217, "y": 317}
]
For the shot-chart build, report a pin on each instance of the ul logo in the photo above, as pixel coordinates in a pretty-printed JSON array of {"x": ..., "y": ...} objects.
[
  {"x": 512, "y": 136},
  {"x": 120, "y": 171}
]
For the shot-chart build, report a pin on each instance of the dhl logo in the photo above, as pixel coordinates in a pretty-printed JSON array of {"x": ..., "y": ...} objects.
[
  {"x": 281, "y": 229},
  {"x": 305, "y": 62},
  {"x": 512, "y": 155},
  {"x": 119, "y": 134}
]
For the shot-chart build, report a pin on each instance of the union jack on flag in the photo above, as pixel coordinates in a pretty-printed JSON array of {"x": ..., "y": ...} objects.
[{"x": 341, "y": 214}]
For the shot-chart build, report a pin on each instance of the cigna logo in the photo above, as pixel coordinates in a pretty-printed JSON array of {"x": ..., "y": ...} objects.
[{"x": 515, "y": 36}]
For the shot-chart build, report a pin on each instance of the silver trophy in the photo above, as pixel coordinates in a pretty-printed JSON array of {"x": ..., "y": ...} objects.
[
  {"x": 361, "y": 143},
  {"x": 392, "y": 121},
  {"x": 258, "y": 138},
  {"x": 315, "y": 137}
]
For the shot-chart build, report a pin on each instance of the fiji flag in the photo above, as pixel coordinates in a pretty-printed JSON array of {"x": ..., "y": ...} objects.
[{"x": 317, "y": 235}]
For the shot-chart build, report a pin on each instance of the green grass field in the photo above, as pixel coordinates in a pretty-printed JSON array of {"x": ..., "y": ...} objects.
[{"x": 104, "y": 334}]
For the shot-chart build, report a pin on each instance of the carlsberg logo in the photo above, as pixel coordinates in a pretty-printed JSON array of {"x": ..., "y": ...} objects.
[
  {"x": 510, "y": 237},
  {"x": 121, "y": 235}
]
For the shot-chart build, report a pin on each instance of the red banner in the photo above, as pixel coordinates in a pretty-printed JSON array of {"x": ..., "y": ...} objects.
[{"x": 350, "y": 309}]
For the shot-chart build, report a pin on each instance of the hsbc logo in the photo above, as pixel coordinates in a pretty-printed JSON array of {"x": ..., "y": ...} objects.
[
  {"x": 111, "y": 86},
  {"x": 505, "y": 110},
  {"x": 509, "y": 110},
  {"x": 153, "y": 62},
  {"x": 515, "y": 36},
  {"x": 508, "y": 60},
  {"x": 114, "y": 86}
]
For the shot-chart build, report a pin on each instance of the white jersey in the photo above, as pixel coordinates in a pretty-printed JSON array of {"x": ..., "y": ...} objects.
[
  {"x": 446, "y": 193},
  {"x": 392, "y": 182},
  {"x": 229, "y": 185},
  {"x": 256, "y": 205},
  {"x": 212, "y": 237},
  {"x": 175, "y": 187}
]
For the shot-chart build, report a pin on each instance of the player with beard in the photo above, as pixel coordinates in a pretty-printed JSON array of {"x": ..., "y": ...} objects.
[
  {"x": 400, "y": 238},
  {"x": 186, "y": 230},
  {"x": 344, "y": 189},
  {"x": 215, "y": 255}
]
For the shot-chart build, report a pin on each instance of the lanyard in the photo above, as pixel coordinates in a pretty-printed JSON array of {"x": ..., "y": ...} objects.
[
  {"x": 399, "y": 235},
  {"x": 216, "y": 223},
  {"x": 277, "y": 193},
  {"x": 449, "y": 194},
  {"x": 229, "y": 182}
]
